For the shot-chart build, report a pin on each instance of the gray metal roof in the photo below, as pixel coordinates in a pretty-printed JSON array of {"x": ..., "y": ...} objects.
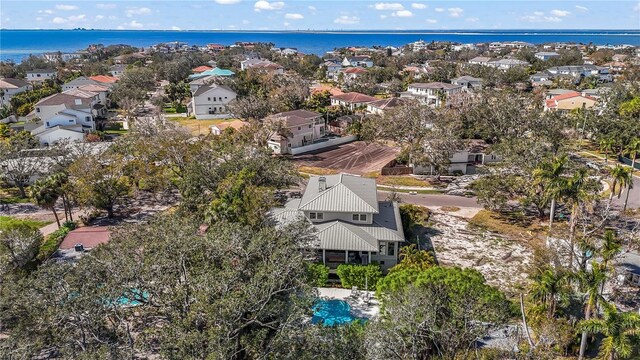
[
  {"x": 338, "y": 235},
  {"x": 344, "y": 193}
]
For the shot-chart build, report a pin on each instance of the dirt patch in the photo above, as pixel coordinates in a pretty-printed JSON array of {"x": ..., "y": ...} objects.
[
  {"x": 355, "y": 158},
  {"x": 502, "y": 261}
]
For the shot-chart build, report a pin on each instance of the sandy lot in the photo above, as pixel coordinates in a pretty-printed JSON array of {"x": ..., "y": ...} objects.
[
  {"x": 503, "y": 262},
  {"x": 354, "y": 158}
]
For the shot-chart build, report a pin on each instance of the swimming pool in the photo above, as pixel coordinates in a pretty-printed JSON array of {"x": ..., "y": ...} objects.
[{"x": 332, "y": 313}]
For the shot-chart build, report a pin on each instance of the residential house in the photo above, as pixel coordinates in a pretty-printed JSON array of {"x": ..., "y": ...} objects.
[
  {"x": 68, "y": 124},
  {"x": 200, "y": 69},
  {"x": 333, "y": 68},
  {"x": 480, "y": 60},
  {"x": 628, "y": 267},
  {"x": 417, "y": 71},
  {"x": 465, "y": 161},
  {"x": 298, "y": 128},
  {"x": 619, "y": 57},
  {"x": 541, "y": 79},
  {"x": 215, "y": 47},
  {"x": 320, "y": 88},
  {"x": 117, "y": 70},
  {"x": 352, "y": 100},
  {"x": 104, "y": 80},
  {"x": 505, "y": 64},
  {"x": 556, "y": 92},
  {"x": 546, "y": 55},
  {"x": 351, "y": 225},
  {"x": 128, "y": 58},
  {"x": 77, "y": 82},
  {"x": 433, "y": 93},
  {"x": 361, "y": 61},
  {"x": 264, "y": 65},
  {"x": 97, "y": 105},
  {"x": 419, "y": 45},
  {"x": 569, "y": 101},
  {"x": 615, "y": 66},
  {"x": 351, "y": 73},
  {"x": 234, "y": 124},
  {"x": 195, "y": 84},
  {"x": 53, "y": 135},
  {"x": 468, "y": 82},
  {"x": 102, "y": 91},
  {"x": 40, "y": 75},
  {"x": 214, "y": 72},
  {"x": 596, "y": 93},
  {"x": 10, "y": 87},
  {"x": 580, "y": 71},
  {"x": 379, "y": 107},
  {"x": 211, "y": 101}
]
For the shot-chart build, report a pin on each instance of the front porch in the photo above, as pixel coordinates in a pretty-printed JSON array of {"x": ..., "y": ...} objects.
[{"x": 334, "y": 258}]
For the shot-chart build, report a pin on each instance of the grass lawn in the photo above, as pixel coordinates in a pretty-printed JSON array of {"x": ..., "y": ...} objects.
[
  {"x": 316, "y": 170},
  {"x": 116, "y": 132},
  {"x": 197, "y": 127},
  {"x": 8, "y": 222},
  {"x": 514, "y": 228},
  {"x": 12, "y": 196}
]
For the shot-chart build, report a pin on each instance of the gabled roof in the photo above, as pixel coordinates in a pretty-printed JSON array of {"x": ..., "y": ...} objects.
[
  {"x": 41, "y": 71},
  {"x": 202, "y": 68},
  {"x": 10, "y": 83},
  {"x": 387, "y": 103},
  {"x": 82, "y": 80},
  {"x": 215, "y": 71},
  {"x": 344, "y": 193},
  {"x": 63, "y": 99},
  {"x": 571, "y": 95},
  {"x": 467, "y": 78},
  {"x": 93, "y": 88},
  {"x": 338, "y": 235},
  {"x": 206, "y": 88},
  {"x": 104, "y": 79},
  {"x": 297, "y": 117},
  {"x": 81, "y": 93},
  {"x": 354, "y": 97}
]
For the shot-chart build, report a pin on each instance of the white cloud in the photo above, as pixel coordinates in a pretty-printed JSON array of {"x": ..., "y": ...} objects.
[
  {"x": 402, "y": 13},
  {"x": 312, "y": 8},
  {"x": 560, "y": 13},
  {"x": 439, "y": 9},
  {"x": 388, "y": 6},
  {"x": 80, "y": 17},
  {"x": 432, "y": 21},
  {"x": 582, "y": 8},
  {"x": 175, "y": 28},
  {"x": 344, "y": 19},
  {"x": 294, "y": 16},
  {"x": 286, "y": 24},
  {"x": 455, "y": 12},
  {"x": 106, "y": 6},
  {"x": 537, "y": 18},
  {"x": 58, "y": 20},
  {"x": 383, "y": 16},
  {"x": 419, "y": 6},
  {"x": 538, "y": 13},
  {"x": 472, "y": 19},
  {"x": 66, "y": 7},
  {"x": 265, "y": 5},
  {"x": 138, "y": 11},
  {"x": 134, "y": 24},
  {"x": 227, "y": 2},
  {"x": 99, "y": 17}
]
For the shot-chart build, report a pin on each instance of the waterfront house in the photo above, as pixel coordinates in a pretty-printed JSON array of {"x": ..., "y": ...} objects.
[
  {"x": 40, "y": 75},
  {"x": 10, "y": 87},
  {"x": 351, "y": 225},
  {"x": 210, "y": 102}
]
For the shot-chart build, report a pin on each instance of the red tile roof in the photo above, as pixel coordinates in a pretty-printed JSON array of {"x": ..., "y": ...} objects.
[
  {"x": 89, "y": 237},
  {"x": 202, "y": 68},
  {"x": 334, "y": 91},
  {"x": 355, "y": 70},
  {"x": 104, "y": 79},
  {"x": 354, "y": 97}
]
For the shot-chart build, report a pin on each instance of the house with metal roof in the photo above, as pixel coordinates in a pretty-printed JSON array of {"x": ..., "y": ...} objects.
[
  {"x": 351, "y": 225},
  {"x": 211, "y": 101}
]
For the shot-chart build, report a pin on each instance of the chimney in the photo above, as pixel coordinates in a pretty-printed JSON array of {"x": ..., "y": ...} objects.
[{"x": 322, "y": 183}]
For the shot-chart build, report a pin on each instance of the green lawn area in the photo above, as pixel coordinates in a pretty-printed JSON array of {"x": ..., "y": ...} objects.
[
  {"x": 197, "y": 127},
  {"x": 316, "y": 170},
  {"x": 8, "y": 222},
  {"x": 116, "y": 132}
]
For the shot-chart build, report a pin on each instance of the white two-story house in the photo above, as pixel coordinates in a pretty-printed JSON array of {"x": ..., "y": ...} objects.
[
  {"x": 351, "y": 225},
  {"x": 210, "y": 102},
  {"x": 433, "y": 93},
  {"x": 40, "y": 75},
  {"x": 11, "y": 87},
  {"x": 297, "y": 128}
]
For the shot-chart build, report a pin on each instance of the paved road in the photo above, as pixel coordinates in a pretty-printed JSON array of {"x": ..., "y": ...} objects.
[
  {"x": 634, "y": 196},
  {"x": 432, "y": 200}
]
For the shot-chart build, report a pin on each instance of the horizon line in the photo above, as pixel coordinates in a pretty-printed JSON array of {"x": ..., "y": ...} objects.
[{"x": 314, "y": 30}]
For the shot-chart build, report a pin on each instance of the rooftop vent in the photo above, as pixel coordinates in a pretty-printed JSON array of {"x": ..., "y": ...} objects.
[{"x": 322, "y": 183}]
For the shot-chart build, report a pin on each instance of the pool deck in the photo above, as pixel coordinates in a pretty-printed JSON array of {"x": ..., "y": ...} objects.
[{"x": 358, "y": 307}]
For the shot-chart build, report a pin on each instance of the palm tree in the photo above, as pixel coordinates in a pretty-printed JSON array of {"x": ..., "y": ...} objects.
[
  {"x": 622, "y": 178},
  {"x": 589, "y": 282},
  {"x": 610, "y": 248},
  {"x": 550, "y": 176},
  {"x": 577, "y": 192},
  {"x": 45, "y": 194},
  {"x": 548, "y": 288},
  {"x": 618, "y": 329},
  {"x": 634, "y": 149},
  {"x": 606, "y": 146}
]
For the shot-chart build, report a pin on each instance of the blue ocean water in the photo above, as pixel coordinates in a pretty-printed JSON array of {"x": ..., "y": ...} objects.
[{"x": 17, "y": 44}]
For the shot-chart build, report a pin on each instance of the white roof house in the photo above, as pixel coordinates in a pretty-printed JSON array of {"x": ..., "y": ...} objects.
[{"x": 351, "y": 225}]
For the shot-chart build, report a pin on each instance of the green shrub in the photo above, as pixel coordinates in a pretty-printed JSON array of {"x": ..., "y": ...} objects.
[
  {"x": 53, "y": 240},
  {"x": 8, "y": 223},
  {"x": 318, "y": 275},
  {"x": 169, "y": 110},
  {"x": 362, "y": 276},
  {"x": 413, "y": 217}
]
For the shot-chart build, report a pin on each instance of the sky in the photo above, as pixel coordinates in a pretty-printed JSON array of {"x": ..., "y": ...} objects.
[{"x": 318, "y": 15}]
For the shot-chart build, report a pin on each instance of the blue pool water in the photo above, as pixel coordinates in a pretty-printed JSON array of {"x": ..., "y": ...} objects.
[
  {"x": 135, "y": 298},
  {"x": 332, "y": 313}
]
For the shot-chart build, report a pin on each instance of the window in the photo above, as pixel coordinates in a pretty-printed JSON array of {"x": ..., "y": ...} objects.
[
  {"x": 359, "y": 217},
  {"x": 309, "y": 126},
  {"x": 71, "y": 121},
  {"x": 37, "y": 109},
  {"x": 220, "y": 98},
  {"x": 299, "y": 128},
  {"x": 316, "y": 216},
  {"x": 208, "y": 99},
  {"x": 391, "y": 249},
  {"x": 383, "y": 248}
]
